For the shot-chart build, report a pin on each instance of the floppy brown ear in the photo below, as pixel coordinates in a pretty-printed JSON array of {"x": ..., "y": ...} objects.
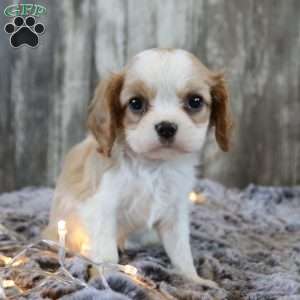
[
  {"x": 220, "y": 115},
  {"x": 104, "y": 117}
]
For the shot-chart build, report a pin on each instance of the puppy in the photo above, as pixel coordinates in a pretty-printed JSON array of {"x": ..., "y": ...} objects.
[{"x": 134, "y": 170}]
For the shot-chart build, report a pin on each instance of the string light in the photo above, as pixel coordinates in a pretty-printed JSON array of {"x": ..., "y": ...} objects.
[
  {"x": 63, "y": 275},
  {"x": 6, "y": 283},
  {"x": 127, "y": 269}
]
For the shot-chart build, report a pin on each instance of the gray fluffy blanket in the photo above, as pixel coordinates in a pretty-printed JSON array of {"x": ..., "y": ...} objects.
[{"x": 247, "y": 241}]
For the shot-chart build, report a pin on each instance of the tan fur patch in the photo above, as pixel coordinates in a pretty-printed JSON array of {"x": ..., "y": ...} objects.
[
  {"x": 136, "y": 88},
  {"x": 194, "y": 87},
  {"x": 105, "y": 112},
  {"x": 221, "y": 116},
  {"x": 82, "y": 170}
]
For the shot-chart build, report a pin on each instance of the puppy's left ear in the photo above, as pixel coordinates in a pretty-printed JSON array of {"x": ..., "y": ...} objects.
[{"x": 220, "y": 114}]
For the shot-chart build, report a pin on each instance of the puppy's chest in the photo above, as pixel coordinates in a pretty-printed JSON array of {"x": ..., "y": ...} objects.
[{"x": 150, "y": 194}]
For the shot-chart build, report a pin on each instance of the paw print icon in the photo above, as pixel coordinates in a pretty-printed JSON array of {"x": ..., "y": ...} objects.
[{"x": 24, "y": 31}]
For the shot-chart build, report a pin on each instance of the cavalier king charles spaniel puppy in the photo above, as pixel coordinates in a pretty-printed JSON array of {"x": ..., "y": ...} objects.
[{"x": 129, "y": 179}]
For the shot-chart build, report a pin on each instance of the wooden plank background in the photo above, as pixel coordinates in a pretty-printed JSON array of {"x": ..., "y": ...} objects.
[{"x": 44, "y": 92}]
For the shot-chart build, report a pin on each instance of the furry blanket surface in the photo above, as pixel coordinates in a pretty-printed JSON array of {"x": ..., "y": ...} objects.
[{"x": 247, "y": 241}]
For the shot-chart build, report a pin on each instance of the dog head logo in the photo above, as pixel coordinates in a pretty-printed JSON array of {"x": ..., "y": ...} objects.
[{"x": 24, "y": 30}]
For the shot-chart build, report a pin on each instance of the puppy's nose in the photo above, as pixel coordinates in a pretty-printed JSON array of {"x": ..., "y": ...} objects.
[{"x": 166, "y": 129}]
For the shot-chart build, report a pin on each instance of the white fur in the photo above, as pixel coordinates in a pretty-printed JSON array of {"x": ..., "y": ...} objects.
[{"x": 137, "y": 194}]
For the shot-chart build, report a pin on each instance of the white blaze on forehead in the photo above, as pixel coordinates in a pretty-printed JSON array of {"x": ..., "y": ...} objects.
[
  {"x": 169, "y": 72},
  {"x": 163, "y": 68}
]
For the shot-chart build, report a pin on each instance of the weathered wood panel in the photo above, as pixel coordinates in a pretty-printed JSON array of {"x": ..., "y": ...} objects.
[
  {"x": 45, "y": 91},
  {"x": 7, "y": 132},
  {"x": 259, "y": 44}
]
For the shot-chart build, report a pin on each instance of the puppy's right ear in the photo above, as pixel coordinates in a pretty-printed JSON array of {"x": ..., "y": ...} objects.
[{"x": 105, "y": 112}]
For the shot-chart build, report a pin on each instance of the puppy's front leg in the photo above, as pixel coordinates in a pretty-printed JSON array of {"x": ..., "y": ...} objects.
[
  {"x": 100, "y": 218},
  {"x": 174, "y": 233}
]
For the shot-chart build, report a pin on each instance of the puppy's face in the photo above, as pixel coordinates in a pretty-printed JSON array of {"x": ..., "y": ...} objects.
[
  {"x": 162, "y": 103},
  {"x": 168, "y": 103}
]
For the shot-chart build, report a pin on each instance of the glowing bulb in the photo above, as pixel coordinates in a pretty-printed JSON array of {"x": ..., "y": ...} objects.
[
  {"x": 8, "y": 283},
  {"x": 62, "y": 232},
  {"x": 7, "y": 260},
  {"x": 130, "y": 270},
  {"x": 61, "y": 226},
  {"x": 197, "y": 198},
  {"x": 193, "y": 196}
]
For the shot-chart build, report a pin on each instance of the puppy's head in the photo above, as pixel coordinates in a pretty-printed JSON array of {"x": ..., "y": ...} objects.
[{"x": 162, "y": 104}]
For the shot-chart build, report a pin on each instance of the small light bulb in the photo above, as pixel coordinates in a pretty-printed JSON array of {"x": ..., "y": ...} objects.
[
  {"x": 61, "y": 226},
  {"x": 6, "y": 259},
  {"x": 130, "y": 270},
  {"x": 8, "y": 283},
  {"x": 62, "y": 232},
  {"x": 193, "y": 196},
  {"x": 197, "y": 198}
]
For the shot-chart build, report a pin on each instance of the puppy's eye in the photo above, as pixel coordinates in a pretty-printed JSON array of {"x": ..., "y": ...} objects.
[
  {"x": 137, "y": 105},
  {"x": 194, "y": 103}
]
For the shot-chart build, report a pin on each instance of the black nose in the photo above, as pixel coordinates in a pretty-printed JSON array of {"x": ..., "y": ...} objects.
[{"x": 166, "y": 129}]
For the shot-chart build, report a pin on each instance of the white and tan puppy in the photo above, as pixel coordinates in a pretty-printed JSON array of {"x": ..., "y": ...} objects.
[{"x": 134, "y": 170}]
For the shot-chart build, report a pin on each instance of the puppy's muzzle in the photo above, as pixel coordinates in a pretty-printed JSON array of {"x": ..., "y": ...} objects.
[{"x": 166, "y": 130}]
